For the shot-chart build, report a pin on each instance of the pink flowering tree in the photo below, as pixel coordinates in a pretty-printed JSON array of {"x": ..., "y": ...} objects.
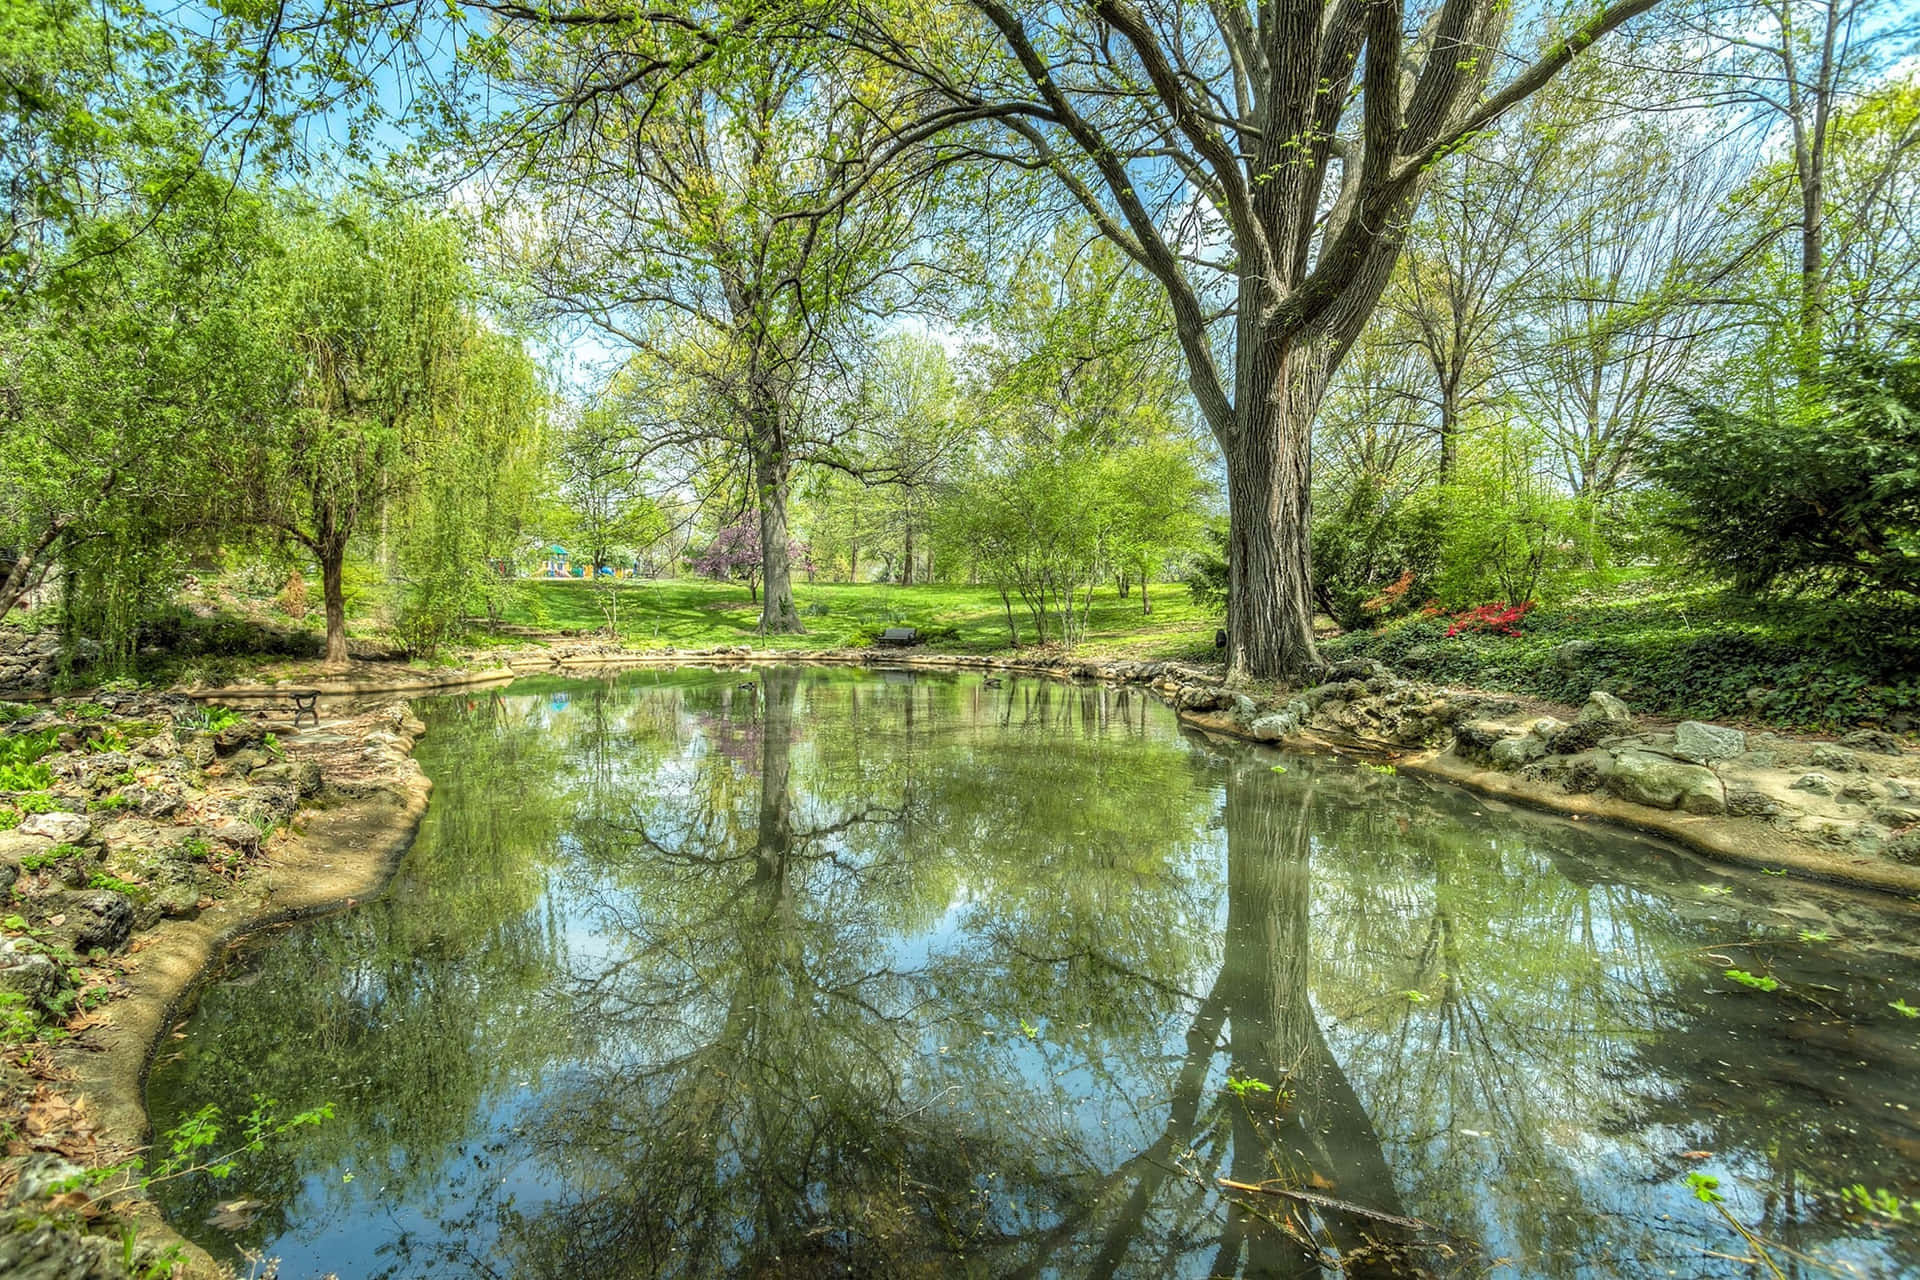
[{"x": 734, "y": 554}]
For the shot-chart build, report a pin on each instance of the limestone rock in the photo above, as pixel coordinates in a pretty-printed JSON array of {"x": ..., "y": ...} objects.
[
  {"x": 1701, "y": 743},
  {"x": 1602, "y": 708},
  {"x": 1511, "y": 753},
  {"x": 61, "y": 828},
  {"x": 1818, "y": 784},
  {"x": 33, "y": 976},
  {"x": 1878, "y": 741},
  {"x": 1645, "y": 778},
  {"x": 1569, "y": 656},
  {"x": 1839, "y": 759},
  {"x": 101, "y": 919}
]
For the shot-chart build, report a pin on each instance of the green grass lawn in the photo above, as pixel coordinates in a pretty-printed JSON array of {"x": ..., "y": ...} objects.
[{"x": 695, "y": 614}]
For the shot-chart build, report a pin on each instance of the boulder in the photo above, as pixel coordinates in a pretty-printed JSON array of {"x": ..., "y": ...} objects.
[
  {"x": 1878, "y": 741},
  {"x": 1571, "y": 655},
  {"x": 1511, "y": 753},
  {"x": 101, "y": 919},
  {"x": 1278, "y": 724},
  {"x": 1475, "y": 739},
  {"x": 61, "y": 828},
  {"x": 29, "y": 974},
  {"x": 1818, "y": 784},
  {"x": 1602, "y": 708},
  {"x": 1702, "y": 743},
  {"x": 303, "y": 775},
  {"x": 1645, "y": 778},
  {"x": 1839, "y": 759}
]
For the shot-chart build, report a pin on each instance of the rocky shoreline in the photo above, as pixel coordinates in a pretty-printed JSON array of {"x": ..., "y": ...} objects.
[{"x": 164, "y": 831}]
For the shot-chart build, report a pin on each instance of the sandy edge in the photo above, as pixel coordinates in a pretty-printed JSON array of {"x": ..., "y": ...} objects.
[{"x": 341, "y": 854}]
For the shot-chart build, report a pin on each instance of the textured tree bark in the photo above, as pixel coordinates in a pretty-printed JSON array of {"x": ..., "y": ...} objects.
[
  {"x": 771, "y": 471},
  {"x": 1269, "y": 499},
  {"x": 332, "y": 553}
]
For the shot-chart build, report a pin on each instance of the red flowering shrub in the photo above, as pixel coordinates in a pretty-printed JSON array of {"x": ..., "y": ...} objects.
[{"x": 1498, "y": 618}]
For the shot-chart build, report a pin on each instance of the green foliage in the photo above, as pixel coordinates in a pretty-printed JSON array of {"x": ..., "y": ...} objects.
[
  {"x": 208, "y": 718},
  {"x": 1693, "y": 652},
  {"x": 102, "y": 880},
  {"x": 9, "y": 817},
  {"x": 1245, "y": 1087},
  {"x": 1762, "y": 982},
  {"x": 19, "y": 754},
  {"x": 1368, "y": 540},
  {"x": 36, "y": 802},
  {"x": 1507, "y": 532},
  {"x": 18, "y": 1021},
  {"x": 1879, "y": 1202},
  {"x": 1821, "y": 497}
]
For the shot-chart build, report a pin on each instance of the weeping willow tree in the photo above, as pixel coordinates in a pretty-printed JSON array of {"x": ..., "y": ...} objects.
[
  {"x": 479, "y": 487},
  {"x": 398, "y": 396}
]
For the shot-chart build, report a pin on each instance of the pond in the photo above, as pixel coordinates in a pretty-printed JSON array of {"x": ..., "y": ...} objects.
[{"x": 814, "y": 971}]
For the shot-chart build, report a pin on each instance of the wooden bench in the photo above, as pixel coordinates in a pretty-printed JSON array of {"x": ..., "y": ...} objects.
[
  {"x": 899, "y": 636},
  {"x": 306, "y": 705}
]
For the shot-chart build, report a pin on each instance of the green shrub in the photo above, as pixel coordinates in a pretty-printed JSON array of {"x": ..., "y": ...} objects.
[
  {"x": 36, "y": 802},
  {"x": 9, "y": 817},
  {"x": 1707, "y": 655},
  {"x": 1821, "y": 497}
]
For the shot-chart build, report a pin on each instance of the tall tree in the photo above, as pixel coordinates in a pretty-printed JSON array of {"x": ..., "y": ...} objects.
[
  {"x": 726, "y": 206},
  {"x": 1261, "y": 162}
]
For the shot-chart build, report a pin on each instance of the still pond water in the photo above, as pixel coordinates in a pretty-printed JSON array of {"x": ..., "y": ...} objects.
[{"x": 878, "y": 973}]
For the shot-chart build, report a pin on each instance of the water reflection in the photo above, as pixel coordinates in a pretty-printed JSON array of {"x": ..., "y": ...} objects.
[{"x": 824, "y": 972}]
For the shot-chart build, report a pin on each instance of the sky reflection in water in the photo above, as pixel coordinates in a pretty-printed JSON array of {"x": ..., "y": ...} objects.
[{"x": 878, "y": 974}]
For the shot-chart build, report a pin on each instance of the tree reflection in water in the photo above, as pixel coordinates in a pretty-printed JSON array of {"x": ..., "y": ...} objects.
[{"x": 885, "y": 975}]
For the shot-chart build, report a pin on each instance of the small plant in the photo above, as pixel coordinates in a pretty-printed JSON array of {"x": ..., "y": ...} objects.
[
  {"x": 1706, "y": 1189},
  {"x": 110, "y": 739},
  {"x": 18, "y": 1021},
  {"x": 211, "y": 718},
  {"x": 1385, "y": 770},
  {"x": 1815, "y": 935},
  {"x": 273, "y": 747},
  {"x": 188, "y": 1146},
  {"x": 104, "y": 880},
  {"x": 196, "y": 849},
  {"x": 1279, "y": 768},
  {"x": 1416, "y": 997},
  {"x": 36, "y": 802},
  {"x": 1243, "y": 1087},
  {"x": 1904, "y": 1009},
  {"x": 9, "y": 817},
  {"x": 1763, "y": 982},
  {"x": 57, "y": 854},
  {"x": 110, "y": 804},
  {"x": 1028, "y": 1030},
  {"x": 81, "y": 712},
  {"x": 1879, "y": 1202}
]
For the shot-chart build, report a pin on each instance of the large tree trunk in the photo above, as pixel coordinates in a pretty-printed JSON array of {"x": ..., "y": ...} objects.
[
  {"x": 770, "y": 480},
  {"x": 1269, "y": 501},
  {"x": 332, "y": 553},
  {"x": 906, "y": 568}
]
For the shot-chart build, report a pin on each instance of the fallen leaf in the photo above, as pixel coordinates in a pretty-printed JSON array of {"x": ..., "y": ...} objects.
[{"x": 1696, "y": 1155}]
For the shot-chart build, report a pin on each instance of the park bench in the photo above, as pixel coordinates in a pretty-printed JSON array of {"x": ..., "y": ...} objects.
[
  {"x": 900, "y": 636},
  {"x": 306, "y": 705}
]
